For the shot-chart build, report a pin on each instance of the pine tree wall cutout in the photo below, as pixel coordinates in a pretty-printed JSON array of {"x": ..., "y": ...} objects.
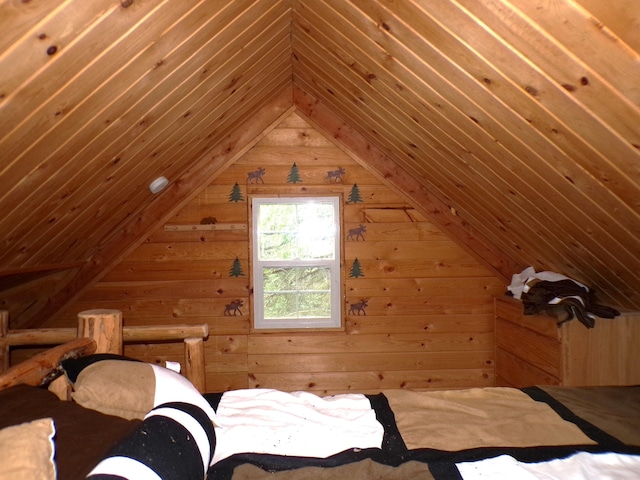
[
  {"x": 236, "y": 194},
  {"x": 354, "y": 196},
  {"x": 356, "y": 269},
  {"x": 236, "y": 269},
  {"x": 294, "y": 175}
]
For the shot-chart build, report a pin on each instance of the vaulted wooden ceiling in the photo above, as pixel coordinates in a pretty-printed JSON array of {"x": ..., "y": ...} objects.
[{"x": 515, "y": 124}]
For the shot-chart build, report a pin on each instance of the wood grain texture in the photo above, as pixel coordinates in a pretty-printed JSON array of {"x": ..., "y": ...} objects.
[
  {"x": 428, "y": 323},
  {"x": 512, "y": 125}
]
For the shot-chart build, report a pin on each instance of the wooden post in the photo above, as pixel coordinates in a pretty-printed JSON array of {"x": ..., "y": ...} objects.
[
  {"x": 104, "y": 327},
  {"x": 4, "y": 342},
  {"x": 194, "y": 362}
]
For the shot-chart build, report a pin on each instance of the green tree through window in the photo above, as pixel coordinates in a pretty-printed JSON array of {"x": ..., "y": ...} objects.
[{"x": 296, "y": 264}]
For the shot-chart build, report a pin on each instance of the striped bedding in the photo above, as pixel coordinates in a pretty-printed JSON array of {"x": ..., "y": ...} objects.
[{"x": 397, "y": 434}]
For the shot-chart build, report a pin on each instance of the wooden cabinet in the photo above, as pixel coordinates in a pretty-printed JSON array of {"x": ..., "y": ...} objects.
[{"x": 533, "y": 350}]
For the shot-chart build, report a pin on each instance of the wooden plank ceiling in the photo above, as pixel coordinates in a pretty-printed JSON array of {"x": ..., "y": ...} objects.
[{"x": 515, "y": 124}]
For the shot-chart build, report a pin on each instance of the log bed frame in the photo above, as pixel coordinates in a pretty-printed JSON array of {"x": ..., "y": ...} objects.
[{"x": 98, "y": 331}]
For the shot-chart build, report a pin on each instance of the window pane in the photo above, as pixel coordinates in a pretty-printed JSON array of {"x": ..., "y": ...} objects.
[
  {"x": 296, "y": 278},
  {"x": 297, "y": 292},
  {"x": 297, "y": 305},
  {"x": 296, "y": 262},
  {"x": 296, "y": 231}
]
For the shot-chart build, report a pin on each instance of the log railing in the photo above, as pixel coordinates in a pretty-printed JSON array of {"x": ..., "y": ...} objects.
[{"x": 106, "y": 329}]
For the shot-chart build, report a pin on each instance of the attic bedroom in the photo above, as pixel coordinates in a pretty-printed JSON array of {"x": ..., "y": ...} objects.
[{"x": 466, "y": 140}]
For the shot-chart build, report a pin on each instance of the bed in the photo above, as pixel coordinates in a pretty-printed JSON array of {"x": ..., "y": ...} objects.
[{"x": 129, "y": 419}]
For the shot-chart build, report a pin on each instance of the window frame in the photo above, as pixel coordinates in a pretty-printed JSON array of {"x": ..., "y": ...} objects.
[{"x": 336, "y": 320}]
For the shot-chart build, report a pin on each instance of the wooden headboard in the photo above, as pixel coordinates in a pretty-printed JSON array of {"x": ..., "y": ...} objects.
[{"x": 98, "y": 331}]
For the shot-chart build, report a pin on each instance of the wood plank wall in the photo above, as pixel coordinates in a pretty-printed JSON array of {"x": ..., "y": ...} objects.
[{"x": 429, "y": 319}]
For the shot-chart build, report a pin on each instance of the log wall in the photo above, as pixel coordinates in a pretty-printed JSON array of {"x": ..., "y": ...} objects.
[{"x": 429, "y": 319}]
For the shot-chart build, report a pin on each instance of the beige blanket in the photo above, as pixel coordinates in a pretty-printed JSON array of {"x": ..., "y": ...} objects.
[
  {"x": 363, "y": 470},
  {"x": 460, "y": 419}
]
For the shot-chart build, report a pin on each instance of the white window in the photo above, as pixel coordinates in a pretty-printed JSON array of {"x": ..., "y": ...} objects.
[{"x": 296, "y": 262}]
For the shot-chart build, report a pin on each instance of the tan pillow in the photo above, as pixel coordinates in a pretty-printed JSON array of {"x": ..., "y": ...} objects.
[
  {"x": 27, "y": 451},
  {"x": 116, "y": 387},
  {"x": 131, "y": 389}
]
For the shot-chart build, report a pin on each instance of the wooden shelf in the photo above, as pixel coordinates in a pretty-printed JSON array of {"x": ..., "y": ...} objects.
[{"x": 206, "y": 227}]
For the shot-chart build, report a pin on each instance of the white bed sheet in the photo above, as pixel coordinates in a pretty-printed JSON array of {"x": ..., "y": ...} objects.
[
  {"x": 581, "y": 466},
  {"x": 293, "y": 424}
]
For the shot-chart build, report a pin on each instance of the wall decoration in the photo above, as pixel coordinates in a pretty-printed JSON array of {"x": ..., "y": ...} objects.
[
  {"x": 354, "y": 196},
  {"x": 356, "y": 269},
  {"x": 236, "y": 269},
  {"x": 294, "y": 175},
  {"x": 256, "y": 176},
  {"x": 357, "y": 233},
  {"x": 233, "y": 308},
  {"x": 356, "y": 308},
  {"x": 335, "y": 176},
  {"x": 236, "y": 194}
]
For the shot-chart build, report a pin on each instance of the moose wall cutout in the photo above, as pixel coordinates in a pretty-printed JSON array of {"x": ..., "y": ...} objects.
[
  {"x": 357, "y": 233},
  {"x": 233, "y": 308},
  {"x": 256, "y": 176},
  {"x": 357, "y": 308},
  {"x": 336, "y": 176}
]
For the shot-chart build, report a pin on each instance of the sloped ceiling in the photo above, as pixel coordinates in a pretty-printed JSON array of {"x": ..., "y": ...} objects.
[{"x": 514, "y": 124}]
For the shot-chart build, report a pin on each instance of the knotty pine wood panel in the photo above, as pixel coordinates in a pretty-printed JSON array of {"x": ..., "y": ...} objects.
[
  {"x": 454, "y": 180},
  {"x": 170, "y": 270},
  {"x": 343, "y": 107},
  {"x": 395, "y": 47},
  {"x": 619, "y": 16},
  {"x": 363, "y": 362},
  {"x": 426, "y": 322},
  {"x": 515, "y": 372},
  {"x": 182, "y": 117},
  {"x": 278, "y": 174},
  {"x": 34, "y": 294},
  {"x": 221, "y": 382},
  {"x": 392, "y": 232},
  {"x": 286, "y": 155},
  {"x": 76, "y": 119},
  {"x": 209, "y": 141},
  {"x": 457, "y": 265},
  {"x": 160, "y": 252},
  {"x": 402, "y": 249},
  {"x": 540, "y": 351},
  {"x": 299, "y": 343},
  {"x": 301, "y": 137},
  {"x": 387, "y": 305},
  {"x": 194, "y": 236},
  {"x": 360, "y": 213},
  {"x": 15, "y": 21},
  {"x": 173, "y": 309},
  {"x": 373, "y": 382},
  {"x": 605, "y": 355},
  {"x": 401, "y": 287},
  {"x": 221, "y": 210},
  {"x": 430, "y": 304},
  {"x": 463, "y": 233},
  {"x": 152, "y": 289}
]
